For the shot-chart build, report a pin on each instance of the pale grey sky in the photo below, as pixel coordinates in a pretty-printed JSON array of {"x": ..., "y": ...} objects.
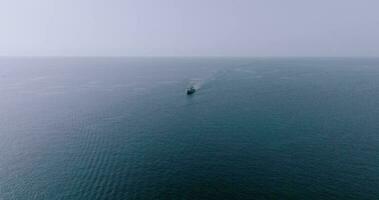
[{"x": 189, "y": 27}]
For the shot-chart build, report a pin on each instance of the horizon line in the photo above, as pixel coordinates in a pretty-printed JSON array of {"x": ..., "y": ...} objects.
[{"x": 126, "y": 56}]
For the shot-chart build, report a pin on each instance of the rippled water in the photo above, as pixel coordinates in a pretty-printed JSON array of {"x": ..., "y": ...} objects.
[{"x": 123, "y": 128}]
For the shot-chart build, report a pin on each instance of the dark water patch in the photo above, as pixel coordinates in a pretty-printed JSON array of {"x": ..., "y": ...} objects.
[{"x": 124, "y": 129}]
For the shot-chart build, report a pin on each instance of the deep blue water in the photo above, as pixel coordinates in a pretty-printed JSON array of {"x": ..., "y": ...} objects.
[{"x": 123, "y": 128}]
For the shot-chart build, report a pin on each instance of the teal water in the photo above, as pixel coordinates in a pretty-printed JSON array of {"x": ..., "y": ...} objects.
[{"x": 123, "y": 128}]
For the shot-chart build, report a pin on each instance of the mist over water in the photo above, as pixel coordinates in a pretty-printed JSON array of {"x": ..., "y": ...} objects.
[{"x": 123, "y": 128}]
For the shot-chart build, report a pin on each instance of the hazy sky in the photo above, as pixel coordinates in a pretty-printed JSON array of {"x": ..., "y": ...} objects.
[{"x": 189, "y": 27}]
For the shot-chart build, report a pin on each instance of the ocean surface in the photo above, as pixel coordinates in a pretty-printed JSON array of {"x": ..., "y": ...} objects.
[{"x": 123, "y": 128}]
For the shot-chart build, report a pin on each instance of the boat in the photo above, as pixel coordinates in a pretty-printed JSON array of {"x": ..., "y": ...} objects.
[{"x": 191, "y": 90}]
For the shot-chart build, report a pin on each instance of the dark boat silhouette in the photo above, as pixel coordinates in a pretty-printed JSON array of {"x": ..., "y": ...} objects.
[{"x": 191, "y": 90}]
